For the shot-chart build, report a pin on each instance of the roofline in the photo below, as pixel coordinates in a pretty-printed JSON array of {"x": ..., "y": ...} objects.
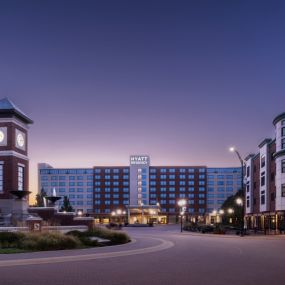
[
  {"x": 17, "y": 114},
  {"x": 278, "y": 118},
  {"x": 264, "y": 142}
]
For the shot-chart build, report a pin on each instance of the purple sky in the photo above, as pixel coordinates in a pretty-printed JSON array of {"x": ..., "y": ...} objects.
[{"x": 178, "y": 80}]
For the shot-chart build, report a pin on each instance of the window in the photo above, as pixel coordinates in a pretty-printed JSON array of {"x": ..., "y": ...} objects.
[
  {"x": 263, "y": 178},
  {"x": 283, "y": 190},
  {"x": 248, "y": 171},
  {"x": 247, "y": 201},
  {"x": 283, "y": 143},
  {"x": 262, "y": 161},
  {"x": 1, "y": 177},
  {"x": 247, "y": 187},
  {"x": 283, "y": 132},
  {"x": 20, "y": 178},
  {"x": 262, "y": 199},
  {"x": 283, "y": 165}
]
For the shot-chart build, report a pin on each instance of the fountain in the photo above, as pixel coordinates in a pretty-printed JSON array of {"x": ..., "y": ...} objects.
[
  {"x": 19, "y": 206},
  {"x": 53, "y": 198}
]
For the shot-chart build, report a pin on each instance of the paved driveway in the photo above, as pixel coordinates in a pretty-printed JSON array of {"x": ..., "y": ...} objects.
[{"x": 159, "y": 255}]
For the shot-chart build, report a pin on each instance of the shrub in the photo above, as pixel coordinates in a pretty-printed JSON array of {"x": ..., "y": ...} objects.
[
  {"x": 10, "y": 239},
  {"x": 219, "y": 229},
  {"x": 114, "y": 236},
  {"x": 49, "y": 241},
  {"x": 83, "y": 237}
]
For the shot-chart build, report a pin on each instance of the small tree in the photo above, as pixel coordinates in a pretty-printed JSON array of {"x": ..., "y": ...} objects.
[
  {"x": 40, "y": 198},
  {"x": 66, "y": 205}
]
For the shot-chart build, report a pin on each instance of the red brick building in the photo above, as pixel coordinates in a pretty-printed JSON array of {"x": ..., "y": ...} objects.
[
  {"x": 265, "y": 182},
  {"x": 14, "y": 163}
]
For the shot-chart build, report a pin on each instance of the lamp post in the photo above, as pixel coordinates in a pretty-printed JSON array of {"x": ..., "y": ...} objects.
[
  {"x": 182, "y": 205},
  {"x": 142, "y": 213},
  {"x": 124, "y": 216},
  {"x": 214, "y": 213},
  {"x": 239, "y": 201},
  {"x": 119, "y": 213},
  {"x": 221, "y": 212},
  {"x": 230, "y": 212}
]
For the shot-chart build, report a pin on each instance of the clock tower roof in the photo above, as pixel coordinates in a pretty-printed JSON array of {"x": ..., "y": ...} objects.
[{"x": 9, "y": 109}]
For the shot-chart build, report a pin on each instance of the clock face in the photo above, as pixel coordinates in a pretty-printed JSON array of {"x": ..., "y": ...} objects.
[
  {"x": 2, "y": 136},
  {"x": 20, "y": 140}
]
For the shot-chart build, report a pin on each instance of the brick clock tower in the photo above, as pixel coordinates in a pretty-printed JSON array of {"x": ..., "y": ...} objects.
[{"x": 14, "y": 162}]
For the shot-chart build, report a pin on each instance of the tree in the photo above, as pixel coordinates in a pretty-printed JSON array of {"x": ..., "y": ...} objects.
[
  {"x": 66, "y": 207},
  {"x": 40, "y": 198},
  {"x": 238, "y": 210}
]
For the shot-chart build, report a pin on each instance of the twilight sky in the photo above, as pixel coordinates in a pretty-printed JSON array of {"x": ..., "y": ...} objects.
[{"x": 178, "y": 80}]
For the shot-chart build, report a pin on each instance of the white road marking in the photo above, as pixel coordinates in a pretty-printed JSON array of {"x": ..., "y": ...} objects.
[{"x": 59, "y": 259}]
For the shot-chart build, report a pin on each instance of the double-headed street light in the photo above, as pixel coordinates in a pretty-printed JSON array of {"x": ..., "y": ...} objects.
[{"x": 182, "y": 205}]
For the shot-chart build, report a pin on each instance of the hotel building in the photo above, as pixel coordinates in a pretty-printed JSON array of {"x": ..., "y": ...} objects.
[
  {"x": 143, "y": 191},
  {"x": 265, "y": 182}
]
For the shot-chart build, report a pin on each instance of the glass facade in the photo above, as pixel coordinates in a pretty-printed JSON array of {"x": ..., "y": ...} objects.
[{"x": 222, "y": 183}]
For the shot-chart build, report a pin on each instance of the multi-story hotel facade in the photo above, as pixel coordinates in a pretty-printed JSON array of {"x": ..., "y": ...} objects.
[
  {"x": 265, "y": 182},
  {"x": 141, "y": 191}
]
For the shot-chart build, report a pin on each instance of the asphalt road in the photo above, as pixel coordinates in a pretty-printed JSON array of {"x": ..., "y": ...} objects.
[{"x": 159, "y": 255}]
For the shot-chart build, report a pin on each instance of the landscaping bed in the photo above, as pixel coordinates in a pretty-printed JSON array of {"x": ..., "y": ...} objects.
[{"x": 16, "y": 242}]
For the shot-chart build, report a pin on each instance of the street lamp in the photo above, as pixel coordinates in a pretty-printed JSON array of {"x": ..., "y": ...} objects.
[
  {"x": 142, "y": 204},
  {"x": 221, "y": 212},
  {"x": 182, "y": 204},
  {"x": 230, "y": 212},
  {"x": 239, "y": 201}
]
